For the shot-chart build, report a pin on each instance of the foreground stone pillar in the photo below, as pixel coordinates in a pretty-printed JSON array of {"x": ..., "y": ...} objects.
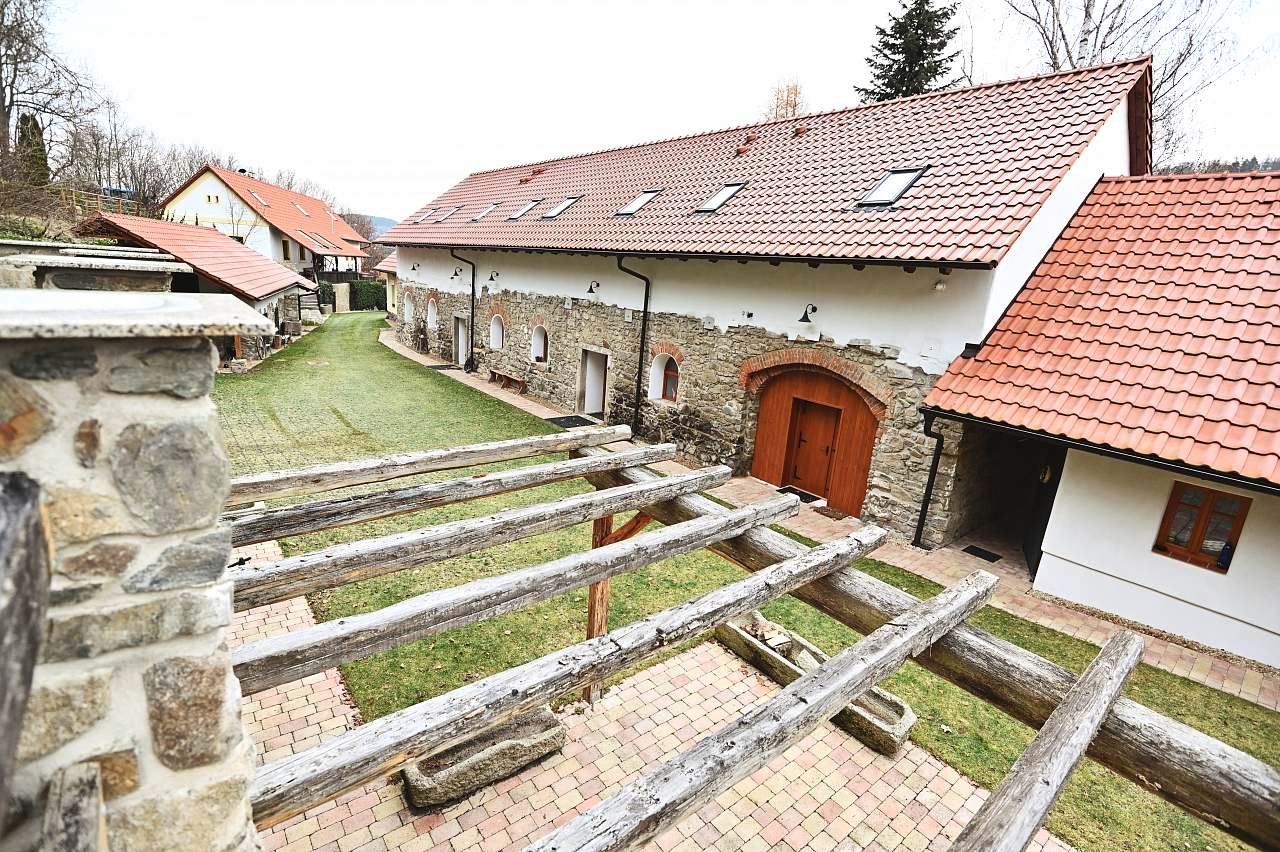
[{"x": 104, "y": 401}]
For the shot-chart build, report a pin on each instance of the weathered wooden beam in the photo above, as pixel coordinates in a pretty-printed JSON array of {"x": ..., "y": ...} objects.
[
  {"x": 74, "y": 817},
  {"x": 644, "y": 808},
  {"x": 24, "y": 593},
  {"x": 326, "y": 477},
  {"x": 280, "y": 659},
  {"x": 1211, "y": 780},
  {"x": 1016, "y": 809},
  {"x": 360, "y": 560},
  {"x": 293, "y": 784},
  {"x": 637, "y": 524},
  {"x": 249, "y": 526}
]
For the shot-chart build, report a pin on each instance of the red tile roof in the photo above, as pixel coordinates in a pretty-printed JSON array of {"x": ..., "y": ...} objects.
[
  {"x": 387, "y": 264},
  {"x": 993, "y": 153},
  {"x": 1151, "y": 326},
  {"x": 207, "y": 250},
  {"x": 284, "y": 209}
]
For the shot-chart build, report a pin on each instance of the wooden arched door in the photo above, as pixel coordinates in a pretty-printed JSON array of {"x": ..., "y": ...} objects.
[{"x": 816, "y": 433}]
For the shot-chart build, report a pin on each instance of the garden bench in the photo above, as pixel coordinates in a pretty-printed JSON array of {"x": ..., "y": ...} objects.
[{"x": 505, "y": 380}]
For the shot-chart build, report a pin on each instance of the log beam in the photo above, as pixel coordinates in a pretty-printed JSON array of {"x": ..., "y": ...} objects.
[
  {"x": 645, "y": 808},
  {"x": 351, "y": 759},
  {"x": 1016, "y": 809},
  {"x": 280, "y": 659},
  {"x": 360, "y": 560},
  {"x": 1204, "y": 776}
]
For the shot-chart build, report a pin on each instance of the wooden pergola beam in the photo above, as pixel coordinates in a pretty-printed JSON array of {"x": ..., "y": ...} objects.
[
  {"x": 327, "y": 477},
  {"x": 1204, "y": 776},
  {"x": 249, "y": 526},
  {"x": 351, "y": 759},
  {"x": 645, "y": 808},
  {"x": 1016, "y": 809},
  {"x": 280, "y": 659},
  {"x": 360, "y": 560}
]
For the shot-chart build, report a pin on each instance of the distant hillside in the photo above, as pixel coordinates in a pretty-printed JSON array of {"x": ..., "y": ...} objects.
[
  {"x": 381, "y": 224},
  {"x": 1249, "y": 164}
]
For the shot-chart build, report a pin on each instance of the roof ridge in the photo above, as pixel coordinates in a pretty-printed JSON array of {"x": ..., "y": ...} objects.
[
  {"x": 1145, "y": 59},
  {"x": 1256, "y": 173}
]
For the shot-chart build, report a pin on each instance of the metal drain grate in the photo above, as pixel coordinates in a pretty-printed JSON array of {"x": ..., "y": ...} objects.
[
  {"x": 568, "y": 421},
  {"x": 982, "y": 553},
  {"x": 805, "y": 496}
]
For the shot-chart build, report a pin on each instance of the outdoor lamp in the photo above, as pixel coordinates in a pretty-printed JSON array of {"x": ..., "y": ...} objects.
[
  {"x": 493, "y": 276},
  {"x": 593, "y": 286},
  {"x": 808, "y": 309}
]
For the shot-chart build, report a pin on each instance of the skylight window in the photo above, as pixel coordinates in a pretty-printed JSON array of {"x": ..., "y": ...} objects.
[
  {"x": 446, "y": 213},
  {"x": 723, "y": 194},
  {"x": 302, "y": 209},
  {"x": 484, "y": 211},
  {"x": 525, "y": 209},
  {"x": 639, "y": 201},
  {"x": 890, "y": 187},
  {"x": 561, "y": 207},
  {"x": 425, "y": 215},
  {"x": 319, "y": 239},
  {"x": 261, "y": 200}
]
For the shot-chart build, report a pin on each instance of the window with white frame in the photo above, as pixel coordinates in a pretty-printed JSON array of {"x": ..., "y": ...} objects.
[
  {"x": 538, "y": 348},
  {"x": 433, "y": 313},
  {"x": 664, "y": 378},
  {"x": 496, "y": 332}
]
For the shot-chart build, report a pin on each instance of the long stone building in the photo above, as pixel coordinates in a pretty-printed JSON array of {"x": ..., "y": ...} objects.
[{"x": 778, "y": 297}]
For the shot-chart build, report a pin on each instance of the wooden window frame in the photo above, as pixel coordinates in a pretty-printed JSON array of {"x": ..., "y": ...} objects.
[
  {"x": 1192, "y": 554},
  {"x": 284, "y": 248},
  {"x": 670, "y": 368}
]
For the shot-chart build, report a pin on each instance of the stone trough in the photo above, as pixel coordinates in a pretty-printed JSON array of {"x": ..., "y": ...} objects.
[{"x": 879, "y": 719}]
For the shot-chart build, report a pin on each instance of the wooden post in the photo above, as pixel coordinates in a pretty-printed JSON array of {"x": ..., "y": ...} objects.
[{"x": 597, "y": 599}]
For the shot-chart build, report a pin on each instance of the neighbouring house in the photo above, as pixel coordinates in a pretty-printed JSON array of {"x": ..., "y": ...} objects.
[
  {"x": 386, "y": 272},
  {"x": 219, "y": 264},
  {"x": 289, "y": 227},
  {"x": 1129, "y": 407},
  {"x": 778, "y": 297}
]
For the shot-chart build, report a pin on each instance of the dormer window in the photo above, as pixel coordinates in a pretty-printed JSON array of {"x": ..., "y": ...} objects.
[
  {"x": 261, "y": 200},
  {"x": 302, "y": 209},
  {"x": 446, "y": 213},
  {"x": 525, "y": 209},
  {"x": 723, "y": 194},
  {"x": 561, "y": 207},
  {"x": 634, "y": 205},
  {"x": 891, "y": 187},
  {"x": 484, "y": 211}
]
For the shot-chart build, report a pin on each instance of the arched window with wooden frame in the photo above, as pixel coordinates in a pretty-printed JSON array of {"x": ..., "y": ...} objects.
[
  {"x": 497, "y": 333},
  {"x": 539, "y": 350},
  {"x": 664, "y": 378}
]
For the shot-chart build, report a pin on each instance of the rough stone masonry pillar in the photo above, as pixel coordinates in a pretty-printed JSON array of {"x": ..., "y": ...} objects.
[{"x": 104, "y": 400}]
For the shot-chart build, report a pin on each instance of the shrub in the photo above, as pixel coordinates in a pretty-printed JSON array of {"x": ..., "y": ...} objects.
[
  {"x": 324, "y": 292},
  {"x": 368, "y": 296}
]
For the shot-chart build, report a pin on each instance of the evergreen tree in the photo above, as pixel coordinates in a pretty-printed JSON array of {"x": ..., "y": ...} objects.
[
  {"x": 33, "y": 159},
  {"x": 910, "y": 57}
]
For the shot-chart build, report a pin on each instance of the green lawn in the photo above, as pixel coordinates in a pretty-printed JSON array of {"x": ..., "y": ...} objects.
[{"x": 337, "y": 394}]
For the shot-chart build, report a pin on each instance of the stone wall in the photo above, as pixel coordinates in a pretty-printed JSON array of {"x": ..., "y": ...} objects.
[{"x": 134, "y": 673}]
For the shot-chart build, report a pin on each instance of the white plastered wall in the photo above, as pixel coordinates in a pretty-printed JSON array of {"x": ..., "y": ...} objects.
[{"x": 227, "y": 213}]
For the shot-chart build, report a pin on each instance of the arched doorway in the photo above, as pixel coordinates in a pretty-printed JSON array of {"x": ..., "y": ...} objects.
[{"x": 815, "y": 432}]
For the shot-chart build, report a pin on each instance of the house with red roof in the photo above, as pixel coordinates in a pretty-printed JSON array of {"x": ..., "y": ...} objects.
[
  {"x": 289, "y": 227},
  {"x": 1125, "y": 409},
  {"x": 779, "y": 297}
]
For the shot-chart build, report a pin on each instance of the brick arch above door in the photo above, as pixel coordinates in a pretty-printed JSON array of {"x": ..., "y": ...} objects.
[{"x": 755, "y": 372}]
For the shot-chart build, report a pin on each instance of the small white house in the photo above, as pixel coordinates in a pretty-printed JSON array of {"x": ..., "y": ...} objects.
[{"x": 1134, "y": 383}]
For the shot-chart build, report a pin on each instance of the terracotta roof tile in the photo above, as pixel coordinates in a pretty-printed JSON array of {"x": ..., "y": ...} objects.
[
  {"x": 993, "y": 153},
  {"x": 1152, "y": 325},
  {"x": 207, "y": 250},
  {"x": 387, "y": 264}
]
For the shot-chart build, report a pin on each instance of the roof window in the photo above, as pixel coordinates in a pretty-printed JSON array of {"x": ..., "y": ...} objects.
[
  {"x": 561, "y": 207},
  {"x": 484, "y": 211},
  {"x": 634, "y": 205},
  {"x": 426, "y": 214},
  {"x": 261, "y": 200},
  {"x": 525, "y": 209},
  {"x": 723, "y": 194},
  {"x": 446, "y": 213},
  {"x": 302, "y": 209},
  {"x": 319, "y": 239},
  {"x": 890, "y": 187}
]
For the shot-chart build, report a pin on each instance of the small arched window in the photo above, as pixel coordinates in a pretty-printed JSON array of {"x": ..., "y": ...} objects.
[
  {"x": 664, "y": 378},
  {"x": 496, "y": 332},
  {"x": 432, "y": 313},
  {"x": 538, "y": 345},
  {"x": 408, "y": 313}
]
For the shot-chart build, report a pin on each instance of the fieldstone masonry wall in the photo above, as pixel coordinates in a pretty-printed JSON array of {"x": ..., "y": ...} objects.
[
  {"x": 134, "y": 673},
  {"x": 713, "y": 419}
]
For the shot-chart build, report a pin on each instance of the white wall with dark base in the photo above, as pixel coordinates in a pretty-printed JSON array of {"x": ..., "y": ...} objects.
[{"x": 1097, "y": 552}]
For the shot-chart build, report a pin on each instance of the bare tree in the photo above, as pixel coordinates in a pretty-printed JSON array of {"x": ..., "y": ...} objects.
[
  {"x": 787, "y": 101},
  {"x": 1186, "y": 38}
]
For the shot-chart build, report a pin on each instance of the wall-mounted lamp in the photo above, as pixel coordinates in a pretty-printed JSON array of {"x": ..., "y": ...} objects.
[
  {"x": 808, "y": 309},
  {"x": 939, "y": 285},
  {"x": 493, "y": 276},
  {"x": 457, "y": 270},
  {"x": 593, "y": 286},
  {"x": 748, "y": 314},
  {"x": 414, "y": 267}
]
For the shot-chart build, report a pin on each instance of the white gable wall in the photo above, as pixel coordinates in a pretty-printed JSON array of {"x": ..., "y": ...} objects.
[
  {"x": 1097, "y": 551},
  {"x": 228, "y": 213}
]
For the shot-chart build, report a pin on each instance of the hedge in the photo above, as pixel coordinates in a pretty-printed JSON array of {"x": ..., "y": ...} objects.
[{"x": 368, "y": 296}]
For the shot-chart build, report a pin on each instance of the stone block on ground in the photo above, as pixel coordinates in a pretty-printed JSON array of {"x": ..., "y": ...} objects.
[
  {"x": 878, "y": 718},
  {"x": 496, "y": 754}
]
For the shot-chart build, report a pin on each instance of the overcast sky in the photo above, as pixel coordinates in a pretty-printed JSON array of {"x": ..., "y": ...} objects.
[{"x": 388, "y": 103}]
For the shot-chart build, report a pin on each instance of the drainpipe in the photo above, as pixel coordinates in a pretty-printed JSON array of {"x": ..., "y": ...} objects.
[
  {"x": 644, "y": 345},
  {"x": 470, "y": 364},
  {"x": 933, "y": 474}
]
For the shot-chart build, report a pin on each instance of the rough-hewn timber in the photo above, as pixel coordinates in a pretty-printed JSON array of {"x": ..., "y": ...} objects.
[
  {"x": 327, "y": 477},
  {"x": 1017, "y": 808},
  {"x": 293, "y": 784},
  {"x": 249, "y": 526},
  {"x": 360, "y": 560},
  {"x": 1206, "y": 777},
  {"x": 279, "y": 659},
  {"x": 644, "y": 808}
]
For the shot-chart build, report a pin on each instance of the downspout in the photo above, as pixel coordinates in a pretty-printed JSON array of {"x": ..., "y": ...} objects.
[
  {"x": 933, "y": 474},
  {"x": 469, "y": 365},
  {"x": 644, "y": 345}
]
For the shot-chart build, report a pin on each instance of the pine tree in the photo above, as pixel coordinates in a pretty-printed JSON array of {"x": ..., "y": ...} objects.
[
  {"x": 910, "y": 57},
  {"x": 33, "y": 159}
]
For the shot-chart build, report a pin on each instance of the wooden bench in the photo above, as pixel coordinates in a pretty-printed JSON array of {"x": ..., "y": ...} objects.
[{"x": 508, "y": 381}]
